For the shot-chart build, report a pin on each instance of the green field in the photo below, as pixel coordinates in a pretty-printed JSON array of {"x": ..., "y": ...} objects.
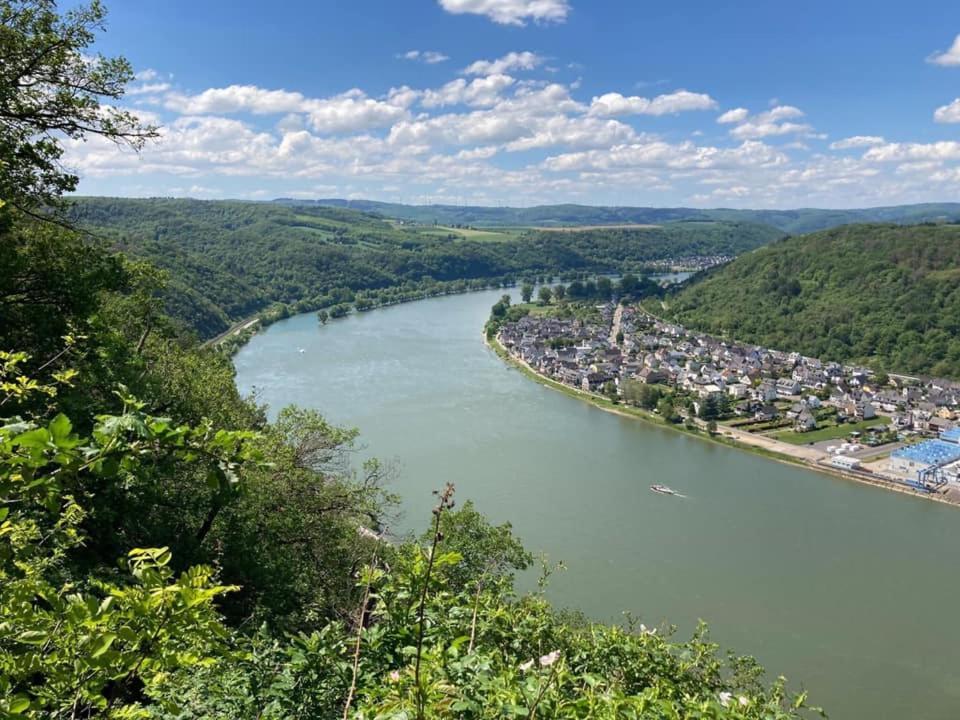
[
  {"x": 830, "y": 432},
  {"x": 481, "y": 234}
]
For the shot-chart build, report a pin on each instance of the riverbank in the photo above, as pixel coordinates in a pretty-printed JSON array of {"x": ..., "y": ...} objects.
[{"x": 738, "y": 439}]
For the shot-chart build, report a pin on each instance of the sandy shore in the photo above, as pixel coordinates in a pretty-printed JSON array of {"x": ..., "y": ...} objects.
[{"x": 731, "y": 437}]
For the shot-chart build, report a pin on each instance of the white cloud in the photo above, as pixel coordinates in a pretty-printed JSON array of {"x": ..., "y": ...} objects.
[
  {"x": 573, "y": 133},
  {"x": 511, "y": 12},
  {"x": 478, "y": 92},
  {"x": 948, "y": 58},
  {"x": 680, "y": 156},
  {"x": 511, "y": 61},
  {"x": 737, "y": 115},
  {"x": 481, "y": 138},
  {"x": 770, "y": 123},
  {"x": 616, "y": 104},
  {"x": 147, "y": 88},
  {"x": 900, "y": 152},
  {"x": 948, "y": 113},
  {"x": 857, "y": 141},
  {"x": 430, "y": 57},
  {"x": 236, "y": 98},
  {"x": 351, "y": 111}
]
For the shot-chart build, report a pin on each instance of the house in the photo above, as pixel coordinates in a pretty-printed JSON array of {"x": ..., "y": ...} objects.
[
  {"x": 766, "y": 392},
  {"x": 766, "y": 413},
  {"x": 651, "y": 376},
  {"x": 787, "y": 387},
  {"x": 804, "y": 422}
]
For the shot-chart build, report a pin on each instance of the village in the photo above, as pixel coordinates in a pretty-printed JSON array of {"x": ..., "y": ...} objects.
[{"x": 846, "y": 419}]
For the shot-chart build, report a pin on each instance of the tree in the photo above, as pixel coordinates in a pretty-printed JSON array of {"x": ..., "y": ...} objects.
[
  {"x": 712, "y": 427},
  {"x": 559, "y": 292},
  {"x": 628, "y": 284},
  {"x": 666, "y": 410},
  {"x": 710, "y": 408},
  {"x": 604, "y": 288},
  {"x": 323, "y": 316},
  {"x": 610, "y": 389},
  {"x": 545, "y": 295},
  {"x": 526, "y": 292},
  {"x": 619, "y": 337},
  {"x": 51, "y": 87}
]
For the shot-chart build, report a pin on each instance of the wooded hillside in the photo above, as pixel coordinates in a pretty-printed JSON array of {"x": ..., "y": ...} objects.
[{"x": 883, "y": 295}]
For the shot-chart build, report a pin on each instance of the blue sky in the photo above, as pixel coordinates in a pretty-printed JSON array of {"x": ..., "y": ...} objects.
[{"x": 539, "y": 101}]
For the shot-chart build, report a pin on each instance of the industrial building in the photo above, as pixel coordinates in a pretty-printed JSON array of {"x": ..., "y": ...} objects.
[{"x": 932, "y": 463}]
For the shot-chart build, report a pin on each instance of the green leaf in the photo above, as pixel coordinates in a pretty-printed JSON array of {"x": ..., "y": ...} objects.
[
  {"x": 18, "y": 705},
  {"x": 33, "y": 637},
  {"x": 38, "y": 438},
  {"x": 102, "y": 644}
]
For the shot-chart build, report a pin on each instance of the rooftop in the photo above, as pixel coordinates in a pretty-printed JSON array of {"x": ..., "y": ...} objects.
[
  {"x": 952, "y": 435},
  {"x": 930, "y": 452}
]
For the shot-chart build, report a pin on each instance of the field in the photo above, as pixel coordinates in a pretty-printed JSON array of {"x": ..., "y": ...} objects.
[
  {"x": 585, "y": 228},
  {"x": 465, "y": 233},
  {"x": 830, "y": 432}
]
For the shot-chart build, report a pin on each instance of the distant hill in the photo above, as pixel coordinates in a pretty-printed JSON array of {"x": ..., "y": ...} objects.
[
  {"x": 794, "y": 222},
  {"x": 229, "y": 259},
  {"x": 883, "y": 295}
]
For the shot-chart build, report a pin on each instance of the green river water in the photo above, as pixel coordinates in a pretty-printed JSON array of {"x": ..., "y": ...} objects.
[{"x": 848, "y": 590}]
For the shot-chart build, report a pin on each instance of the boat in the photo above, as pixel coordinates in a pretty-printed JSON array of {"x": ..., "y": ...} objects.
[
  {"x": 663, "y": 490},
  {"x": 301, "y": 350}
]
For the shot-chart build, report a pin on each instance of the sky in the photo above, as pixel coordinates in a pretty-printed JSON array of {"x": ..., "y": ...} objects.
[{"x": 751, "y": 104}]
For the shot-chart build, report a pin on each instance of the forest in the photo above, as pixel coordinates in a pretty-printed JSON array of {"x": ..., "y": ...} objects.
[
  {"x": 801, "y": 220},
  {"x": 165, "y": 552},
  {"x": 887, "y": 296},
  {"x": 228, "y": 260}
]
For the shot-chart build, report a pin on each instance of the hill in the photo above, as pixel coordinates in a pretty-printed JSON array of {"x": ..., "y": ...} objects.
[
  {"x": 228, "y": 260},
  {"x": 803, "y": 220},
  {"x": 883, "y": 295}
]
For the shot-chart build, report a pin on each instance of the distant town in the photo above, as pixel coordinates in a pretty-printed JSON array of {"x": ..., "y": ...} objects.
[{"x": 883, "y": 428}]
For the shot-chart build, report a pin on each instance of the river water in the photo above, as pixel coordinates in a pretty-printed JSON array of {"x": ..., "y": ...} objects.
[{"x": 848, "y": 590}]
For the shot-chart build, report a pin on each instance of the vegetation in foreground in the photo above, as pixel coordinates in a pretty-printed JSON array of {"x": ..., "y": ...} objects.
[
  {"x": 167, "y": 553},
  {"x": 883, "y": 295}
]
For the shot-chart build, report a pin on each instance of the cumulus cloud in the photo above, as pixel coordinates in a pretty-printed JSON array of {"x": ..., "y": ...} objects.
[
  {"x": 478, "y": 92},
  {"x": 900, "y": 152},
  {"x": 736, "y": 115},
  {"x": 771, "y": 123},
  {"x": 430, "y": 57},
  {"x": 511, "y": 61},
  {"x": 236, "y": 98},
  {"x": 676, "y": 156},
  {"x": 351, "y": 111},
  {"x": 947, "y": 58},
  {"x": 948, "y": 113},
  {"x": 616, "y": 104},
  {"x": 857, "y": 141},
  {"x": 483, "y": 137},
  {"x": 511, "y": 12}
]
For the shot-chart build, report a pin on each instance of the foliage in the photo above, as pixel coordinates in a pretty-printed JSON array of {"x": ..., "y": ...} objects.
[
  {"x": 50, "y": 88},
  {"x": 883, "y": 295},
  {"x": 79, "y": 645}
]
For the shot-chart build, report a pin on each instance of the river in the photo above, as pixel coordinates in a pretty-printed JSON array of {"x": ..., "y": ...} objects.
[{"x": 848, "y": 590}]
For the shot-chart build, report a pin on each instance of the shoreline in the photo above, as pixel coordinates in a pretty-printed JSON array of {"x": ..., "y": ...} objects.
[{"x": 760, "y": 448}]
